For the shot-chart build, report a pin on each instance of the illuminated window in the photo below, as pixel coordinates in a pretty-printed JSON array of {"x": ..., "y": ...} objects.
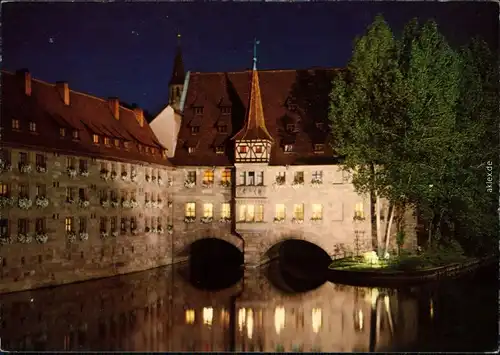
[
  {"x": 62, "y": 132},
  {"x": 280, "y": 212},
  {"x": 298, "y": 211},
  {"x": 76, "y": 134},
  {"x": 106, "y": 140},
  {"x": 359, "y": 210},
  {"x": 190, "y": 316},
  {"x": 190, "y": 209},
  {"x": 225, "y": 210},
  {"x": 195, "y": 129},
  {"x": 243, "y": 149},
  {"x": 317, "y": 211},
  {"x": 208, "y": 176},
  {"x": 226, "y": 175},
  {"x": 208, "y": 210},
  {"x": 4, "y": 190},
  {"x": 219, "y": 150},
  {"x": 251, "y": 213},
  {"x": 319, "y": 147},
  {"x": 95, "y": 138},
  {"x": 258, "y": 149},
  {"x": 117, "y": 143},
  {"x": 288, "y": 148},
  {"x": 126, "y": 145},
  {"x": 279, "y": 319},
  {"x": 208, "y": 315},
  {"x": 15, "y": 124},
  {"x": 191, "y": 150},
  {"x": 68, "y": 223},
  {"x": 146, "y": 149},
  {"x": 164, "y": 153},
  {"x": 32, "y": 126}
]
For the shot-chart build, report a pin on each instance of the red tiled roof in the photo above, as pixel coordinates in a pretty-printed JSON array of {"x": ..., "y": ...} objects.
[
  {"x": 308, "y": 89},
  {"x": 89, "y": 115}
]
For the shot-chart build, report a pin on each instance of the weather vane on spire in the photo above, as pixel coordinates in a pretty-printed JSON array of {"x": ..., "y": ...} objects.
[
  {"x": 178, "y": 38},
  {"x": 255, "y": 43}
]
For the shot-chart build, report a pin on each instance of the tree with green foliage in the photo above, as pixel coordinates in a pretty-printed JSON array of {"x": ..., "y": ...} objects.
[{"x": 403, "y": 118}]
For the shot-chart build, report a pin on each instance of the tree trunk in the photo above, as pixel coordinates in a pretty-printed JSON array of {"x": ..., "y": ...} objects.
[
  {"x": 377, "y": 215},
  {"x": 389, "y": 225}
]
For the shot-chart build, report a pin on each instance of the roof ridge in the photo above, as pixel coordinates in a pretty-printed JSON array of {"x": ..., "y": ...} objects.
[{"x": 264, "y": 70}]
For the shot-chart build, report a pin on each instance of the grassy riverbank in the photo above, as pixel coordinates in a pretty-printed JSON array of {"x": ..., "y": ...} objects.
[{"x": 431, "y": 258}]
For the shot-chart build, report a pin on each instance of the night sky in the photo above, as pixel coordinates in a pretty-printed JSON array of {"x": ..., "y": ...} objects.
[{"x": 127, "y": 49}]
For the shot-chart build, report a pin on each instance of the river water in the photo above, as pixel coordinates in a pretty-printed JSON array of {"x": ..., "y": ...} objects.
[{"x": 167, "y": 309}]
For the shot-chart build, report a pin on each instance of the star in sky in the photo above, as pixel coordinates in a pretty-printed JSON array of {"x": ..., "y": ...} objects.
[
  {"x": 135, "y": 33},
  {"x": 51, "y": 40}
]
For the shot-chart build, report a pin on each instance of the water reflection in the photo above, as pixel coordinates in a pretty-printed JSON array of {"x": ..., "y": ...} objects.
[{"x": 160, "y": 310}]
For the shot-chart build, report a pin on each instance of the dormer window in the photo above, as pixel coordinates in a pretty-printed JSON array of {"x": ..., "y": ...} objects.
[
  {"x": 319, "y": 148},
  {"x": 117, "y": 143},
  {"x": 15, "y": 124},
  {"x": 219, "y": 149},
  {"x": 32, "y": 126},
  {"x": 288, "y": 148},
  {"x": 226, "y": 110},
  {"x": 191, "y": 150},
  {"x": 164, "y": 153},
  {"x": 195, "y": 129},
  {"x": 222, "y": 129},
  {"x": 106, "y": 140},
  {"x": 62, "y": 132},
  {"x": 198, "y": 110},
  {"x": 139, "y": 147},
  {"x": 290, "y": 127},
  {"x": 95, "y": 138},
  {"x": 146, "y": 150},
  {"x": 243, "y": 149},
  {"x": 126, "y": 145},
  {"x": 320, "y": 125},
  {"x": 76, "y": 134}
]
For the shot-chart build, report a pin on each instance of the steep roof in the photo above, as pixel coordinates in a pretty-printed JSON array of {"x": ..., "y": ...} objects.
[
  {"x": 85, "y": 113},
  {"x": 289, "y": 97},
  {"x": 178, "y": 74}
]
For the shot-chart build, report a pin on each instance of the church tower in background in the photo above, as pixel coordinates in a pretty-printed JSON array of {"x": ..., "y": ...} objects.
[{"x": 176, "y": 82}]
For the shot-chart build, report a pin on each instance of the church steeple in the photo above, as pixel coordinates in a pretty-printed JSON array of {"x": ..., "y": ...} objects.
[
  {"x": 253, "y": 141},
  {"x": 176, "y": 82}
]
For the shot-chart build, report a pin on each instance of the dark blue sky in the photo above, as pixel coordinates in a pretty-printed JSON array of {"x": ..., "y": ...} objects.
[{"x": 127, "y": 49}]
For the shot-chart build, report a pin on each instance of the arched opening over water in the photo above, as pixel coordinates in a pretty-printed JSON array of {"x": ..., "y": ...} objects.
[
  {"x": 214, "y": 264},
  {"x": 297, "y": 266}
]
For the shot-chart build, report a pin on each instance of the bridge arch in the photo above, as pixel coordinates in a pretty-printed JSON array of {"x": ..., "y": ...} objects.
[{"x": 183, "y": 242}]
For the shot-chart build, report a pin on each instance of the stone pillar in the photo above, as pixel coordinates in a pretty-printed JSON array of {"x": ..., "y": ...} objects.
[{"x": 251, "y": 255}]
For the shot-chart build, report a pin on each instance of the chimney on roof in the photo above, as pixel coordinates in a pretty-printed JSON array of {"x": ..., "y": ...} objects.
[
  {"x": 25, "y": 76},
  {"x": 114, "y": 106},
  {"x": 139, "y": 116},
  {"x": 63, "y": 88}
]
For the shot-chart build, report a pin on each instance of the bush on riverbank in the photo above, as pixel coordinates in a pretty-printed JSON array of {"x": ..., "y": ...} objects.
[{"x": 435, "y": 256}]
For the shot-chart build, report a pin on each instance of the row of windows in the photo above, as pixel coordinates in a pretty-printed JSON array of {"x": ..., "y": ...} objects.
[
  {"x": 96, "y": 139},
  {"x": 220, "y": 129},
  {"x": 209, "y": 176},
  {"x": 288, "y": 148},
  {"x": 73, "y": 163},
  {"x": 255, "y": 213},
  {"x": 225, "y": 110},
  {"x": 78, "y": 224}
]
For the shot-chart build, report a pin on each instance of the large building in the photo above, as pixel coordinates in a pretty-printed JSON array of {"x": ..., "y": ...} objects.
[{"x": 90, "y": 189}]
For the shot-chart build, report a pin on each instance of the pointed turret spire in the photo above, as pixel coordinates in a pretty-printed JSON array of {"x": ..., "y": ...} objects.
[
  {"x": 178, "y": 70},
  {"x": 255, "y": 126}
]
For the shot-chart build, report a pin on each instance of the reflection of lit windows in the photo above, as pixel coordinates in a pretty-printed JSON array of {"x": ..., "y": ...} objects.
[
  {"x": 189, "y": 316},
  {"x": 359, "y": 210},
  {"x": 279, "y": 319},
  {"x": 249, "y": 324},
  {"x": 316, "y": 319},
  {"x": 431, "y": 308},
  {"x": 297, "y": 348},
  {"x": 358, "y": 320},
  {"x": 208, "y": 315},
  {"x": 241, "y": 318},
  {"x": 224, "y": 315}
]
